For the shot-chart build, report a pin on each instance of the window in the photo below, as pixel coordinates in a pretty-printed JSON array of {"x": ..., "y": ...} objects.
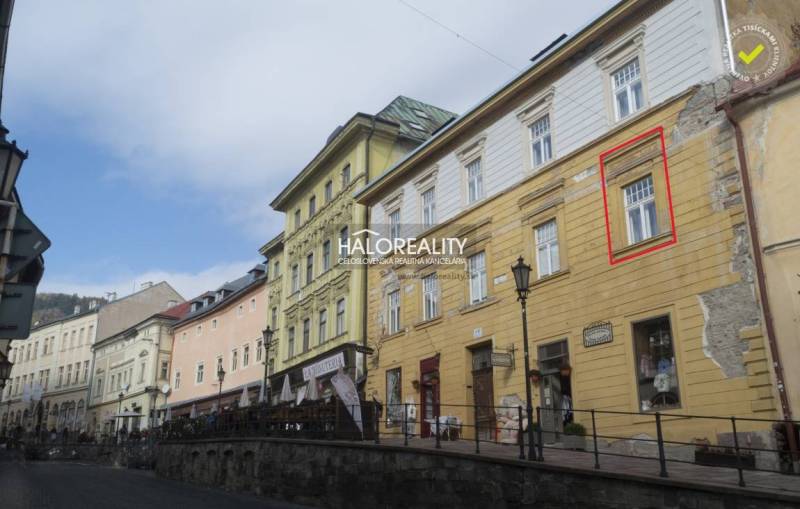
[
  {"x": 627, "y": 84},
  {"x": 90, "y": 335},
  {"x": 394, "y": 312},
  {"x": 46, "y": 379},
  {"x": 234, "y": 359},
  {"x": 245, "y": 356},
  {"x": 252, "y": 305},
  {"x": 429, "y": 207},
  {"x": 64, "y": 342},
  {"x": 81, "y": 336},
  {"x": 276, "y": 269},
  {"x": 655, "y": 364},
  {"x": 346, "y": 176},
  {"x": 99, "y": 388},
  {"x": 541, "y": 147},
  {"x": 394, "y": 224},
  {"x": 239, "y": 310},
  {"x": 323, "y": 326},
  {"x": 395, "y": 410},
  {"x": 36, "y": 349},
  {"x": 309, "y": 268},
  {"x": 142, "y": 367},
  {"x": 306, "y": 334},
  {"x": 219, "y": 363},
  {"x": 640, "y": 210},
  {"x": 71, "y": 341},
  {"x": 295, "y": 278},
  {"x": 430, "y": 296},
  {"x": 328, "y": 191},
  {"x": 259, "y": 348},
  {"x": 340, "y": 317},
  {"x": 85, "y": 371},
  {"x": 271, "y": 366},
  {"x": 476, "y": 266},
  {"x": 177, "y": 380},
  {"x": 111, "y": 385},
  {"x": 547, "y": 261},
  {"x": 326, "y": 255},
  {"x": 290, "y": 342},
  {"x": 274, "y": 318},
  {"x": 344, "y": 241},
  {"x": 199, "y": 330},
  {"x": 77, "y": 372},
  {"x": 297, "y": 219},
  {"x": 199, "y": 374},
  {"x": 164, "y": 370},
  {"x": 312, "y": 206},
  {"x": 214, "y": 323},
  {"x": 475, "y": 181},
  {"x": 69, "y": 374}
]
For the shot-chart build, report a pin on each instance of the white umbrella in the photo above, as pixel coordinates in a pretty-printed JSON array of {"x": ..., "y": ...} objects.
[
  {"x": 169, "y": 414},
  {"x": 286, "y": 392},
  {"x": 313, "y": 390},
  {"x": 262, "y": 394},
  {"x": 301, "y": 394},
  {"x": 193, "y": 412},
  {"x": 244, "y": 401},
  {"x": 214, "y": 407}
]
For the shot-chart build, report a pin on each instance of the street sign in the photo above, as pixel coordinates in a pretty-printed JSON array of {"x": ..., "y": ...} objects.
[
  {"x": 16, "y": 310},
  {"x": 27, "y": 244},
  {"x": 597, "y": 333},
  {"x": 502, "y": 359}
]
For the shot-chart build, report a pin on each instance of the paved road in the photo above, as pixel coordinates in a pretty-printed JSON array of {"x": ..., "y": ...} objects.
[{"x": 63, "y": 485}]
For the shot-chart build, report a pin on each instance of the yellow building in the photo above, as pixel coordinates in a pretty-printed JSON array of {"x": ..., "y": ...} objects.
[
  {"x": 317, "y": 311},
  {"x": 606, "y": 167}
]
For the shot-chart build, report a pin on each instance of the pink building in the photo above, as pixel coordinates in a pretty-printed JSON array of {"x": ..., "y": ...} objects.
[{"x": 222, "y": 330}]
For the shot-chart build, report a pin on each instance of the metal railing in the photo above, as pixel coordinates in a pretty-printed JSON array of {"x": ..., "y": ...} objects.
[{"x": 740, "y": 443}]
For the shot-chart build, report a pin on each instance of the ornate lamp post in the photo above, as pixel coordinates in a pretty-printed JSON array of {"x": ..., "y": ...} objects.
[
  {"x": 119, "y": 411},
  {"x": 522, "y": 273},
  {"x": 266, "y": 336},
  {"x": 221, "y": 378}
]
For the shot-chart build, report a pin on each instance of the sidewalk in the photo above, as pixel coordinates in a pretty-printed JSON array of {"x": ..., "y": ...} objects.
[{"x": 716, "y": 477}]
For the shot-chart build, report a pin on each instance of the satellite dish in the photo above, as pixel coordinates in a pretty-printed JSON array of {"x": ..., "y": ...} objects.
[{"x": 165, "y": 389}]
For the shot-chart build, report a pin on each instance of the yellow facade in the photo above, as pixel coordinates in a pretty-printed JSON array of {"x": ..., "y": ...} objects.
[{"x": 677, "y": 281}]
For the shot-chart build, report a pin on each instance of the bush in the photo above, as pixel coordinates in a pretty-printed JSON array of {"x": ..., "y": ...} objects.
[{"x": 575, "y": 428}]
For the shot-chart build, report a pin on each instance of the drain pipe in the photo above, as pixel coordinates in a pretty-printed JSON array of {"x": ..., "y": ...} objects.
[
  {"x": 364, "y": 281},
  {"x": 747, "y": 193}
]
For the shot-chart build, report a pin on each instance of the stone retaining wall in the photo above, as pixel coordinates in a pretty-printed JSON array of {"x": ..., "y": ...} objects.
[
  {"x": 124, "y": 456},
  {"x": 356, "y": 475}
]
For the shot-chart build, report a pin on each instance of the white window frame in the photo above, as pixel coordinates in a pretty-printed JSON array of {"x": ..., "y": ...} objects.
[
  {"x": 476, "y": 269},
  {"x": 475, "y": 188},
  {"x": 177, "y": 381},
  {"x": 234, "y": 359},
  {"x": 394, "y": 310},
  {"x": 295, "y": 278},
  {"x": 427, "y": 200},
  {"x": 326, "y": 255},
  {"x": 394, "y": 223},
  {"x": 627, "y": 87},
  {"x": 199, "y": 373},
  {"x": 541, "y": 136},
  {"x": 640, "y": 203},
  {"x": 245, "y": 355},
  {"x": 430, "y": 296},
  {"x": 290, "y": 341},
  {"x": 341, "y": 316},
  {"x": 322, "y": 331},
  {"x": 547, "y": 249}
]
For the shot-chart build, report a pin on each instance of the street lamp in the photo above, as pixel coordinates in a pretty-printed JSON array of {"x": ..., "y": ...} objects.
[
  {"x": 522, "y": 274},
  {"x": 119, "y": 411},
  {"x": 220, "y": 377},
  {"x": 266, "y": 336},
  {"x": 5, "y": 370},
  {"x": 11, "y": 159}
]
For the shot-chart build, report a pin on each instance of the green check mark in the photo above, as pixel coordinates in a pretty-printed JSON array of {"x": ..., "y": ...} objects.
[{"x": 749, "y": 57}]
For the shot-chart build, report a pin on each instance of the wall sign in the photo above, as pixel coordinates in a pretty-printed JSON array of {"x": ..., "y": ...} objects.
[
  {"x": 323, "y": 367},
  {"x": 502, "y": 359},
  {"x": 597, "y": 333}
]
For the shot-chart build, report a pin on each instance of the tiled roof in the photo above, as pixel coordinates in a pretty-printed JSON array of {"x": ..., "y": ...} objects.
[
  {"x": 418, "y": 120},
  {"x": 178, "y": 311}
]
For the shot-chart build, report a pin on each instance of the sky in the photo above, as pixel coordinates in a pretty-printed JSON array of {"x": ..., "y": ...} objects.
[{"x": 160, "y": 130}]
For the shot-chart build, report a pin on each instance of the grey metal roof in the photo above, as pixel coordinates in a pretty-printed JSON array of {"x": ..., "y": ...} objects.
[
  {"x": 417, "y": 120},
  {"x": 236, "y": 286}
]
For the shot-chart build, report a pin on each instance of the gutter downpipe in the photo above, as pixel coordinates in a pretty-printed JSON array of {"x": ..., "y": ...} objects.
[
  {"x": 364, "y": 281},
  {"x": 747, "y": 193}
]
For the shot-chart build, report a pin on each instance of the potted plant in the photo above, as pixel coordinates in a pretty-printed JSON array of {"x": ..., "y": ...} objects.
[
  {"x": 574, "y": 436},
  {"x": 566, "y": 370}
]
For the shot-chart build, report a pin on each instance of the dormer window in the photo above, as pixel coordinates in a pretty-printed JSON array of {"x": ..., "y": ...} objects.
[
  {"x": 416, "y": 126},
  {"x": 196, "y": 305},
  {"x": 420, "y": 113}
]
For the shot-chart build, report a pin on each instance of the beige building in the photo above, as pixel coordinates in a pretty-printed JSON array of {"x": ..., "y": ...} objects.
[
  {"x": 130, "y": 374},
  {"x": 316, "y": 304},
  {"x": 52, "y": 367}
]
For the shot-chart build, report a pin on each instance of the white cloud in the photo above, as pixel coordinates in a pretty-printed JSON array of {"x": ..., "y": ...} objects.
[
  {"x": 187, "y": 284},
  {"x": 228, "y": 100}
]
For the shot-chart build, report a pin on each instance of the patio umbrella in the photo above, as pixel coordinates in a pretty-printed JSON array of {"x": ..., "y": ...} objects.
[
  {"x": 169, "y": 414},
  {"x": 193, "y": 412},
  {"x": 244, "y": 401},
  {"x": 286, "y": 392},
  {"x": 313, "y": 390},
  {"x": 301, "y": 394},
  {"x": 262, "y": 393},
  {"x": 214, "y": 407}
]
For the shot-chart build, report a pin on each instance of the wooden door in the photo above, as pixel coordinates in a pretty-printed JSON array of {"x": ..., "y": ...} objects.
[{"x": 483, "y": 394}]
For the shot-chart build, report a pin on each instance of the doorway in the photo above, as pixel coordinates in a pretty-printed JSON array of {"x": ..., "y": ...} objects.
[
  {"x": 555, "y": 390},
  {"x": 429, "y": 393},
  {"x": 483, "y": 391}
]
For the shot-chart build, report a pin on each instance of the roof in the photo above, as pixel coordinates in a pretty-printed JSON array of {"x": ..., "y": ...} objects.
[
  {"x": 272, "y": 245},
  {"x": 176, "y": 312},
  {"x": 403, "y": 113},
  {"x": 236, "y": 287},
  {"x": 555, "y": 53}
]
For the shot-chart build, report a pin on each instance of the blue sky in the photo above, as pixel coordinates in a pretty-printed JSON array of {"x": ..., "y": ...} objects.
[{"x": 159, "y": 131}]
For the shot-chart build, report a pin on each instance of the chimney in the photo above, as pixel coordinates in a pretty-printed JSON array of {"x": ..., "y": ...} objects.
[
  {"x": 146, "y": 285},
  {"x": 77, "y": 309}
]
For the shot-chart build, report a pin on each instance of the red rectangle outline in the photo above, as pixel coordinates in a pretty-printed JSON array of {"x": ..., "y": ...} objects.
[{"x": 674, "y": 239}]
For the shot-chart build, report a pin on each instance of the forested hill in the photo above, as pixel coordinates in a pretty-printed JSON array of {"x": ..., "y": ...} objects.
[{"x": 52, "y": 306}]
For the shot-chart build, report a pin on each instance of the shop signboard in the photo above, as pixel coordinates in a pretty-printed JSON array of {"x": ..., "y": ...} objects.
[
  {"x": 323, "y": 367},
  {"x": 597, "y": 333}
]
